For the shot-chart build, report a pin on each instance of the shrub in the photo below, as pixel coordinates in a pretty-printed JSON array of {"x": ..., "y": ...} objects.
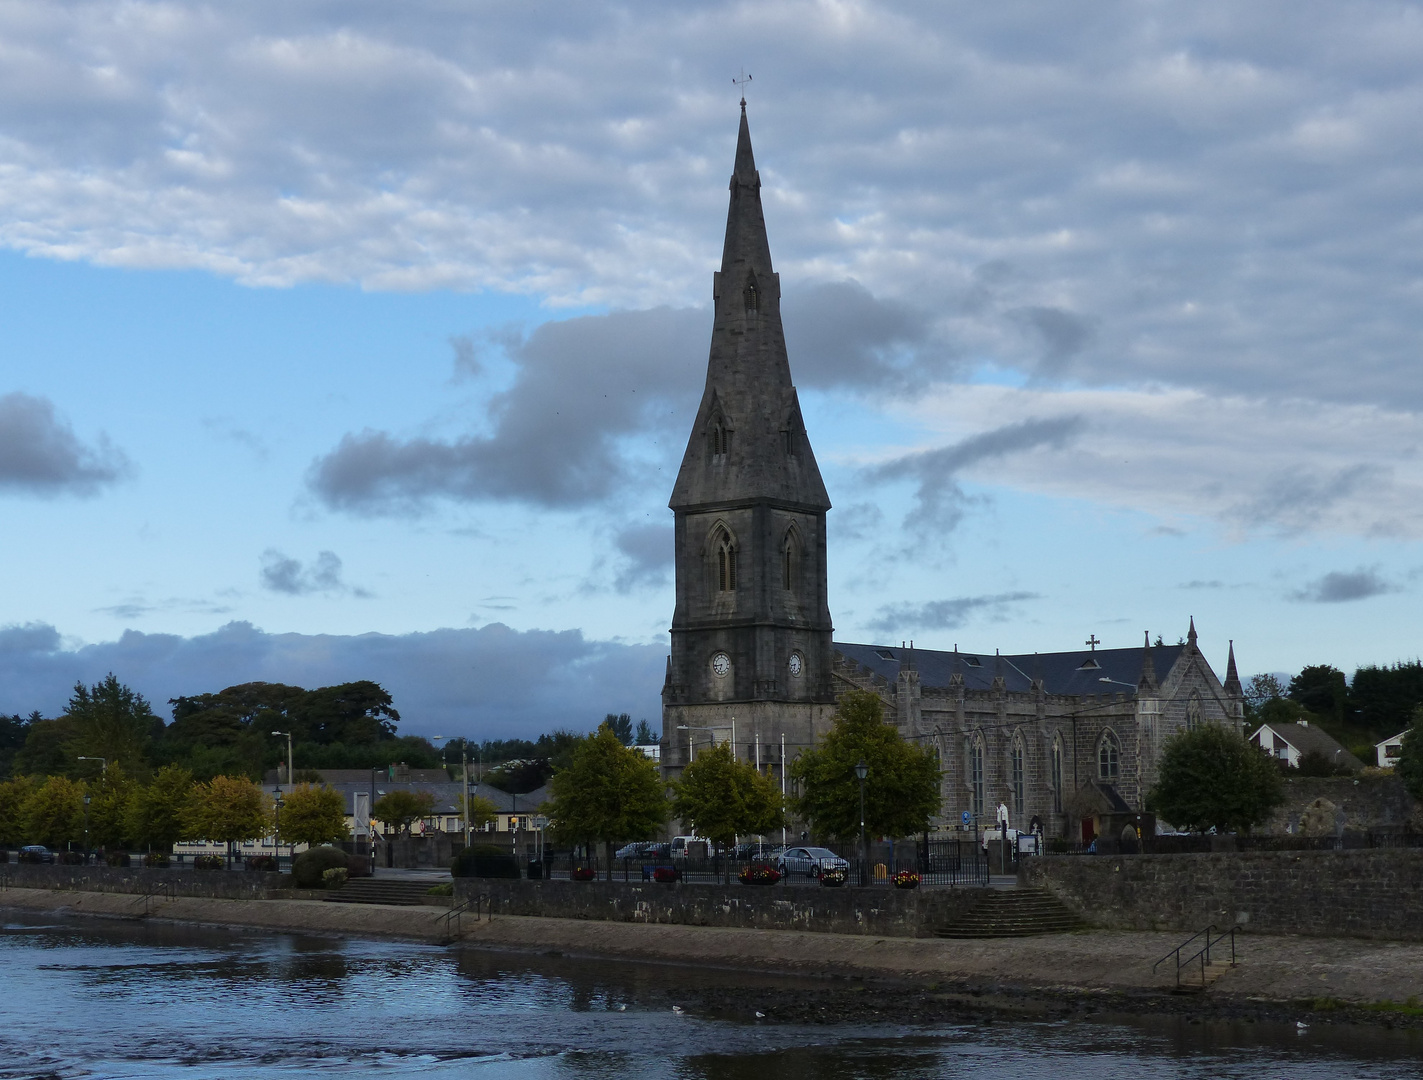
[
  {"x": 484, "y": 861},
  {"x": 335, "y": 877},
  {"x": 310, "y": 866},
  {"x": 29, "y": 857},
  {"x": 70, "y": 858},
  {"x": 207, "y": 862},
  {"x": 261, "y": 863},
  {"x": 447, "y": 889},
  {"x": 758, "y": 874},
  {"x": 118, "y": 858},
  {"x": 156, "y": 858}
]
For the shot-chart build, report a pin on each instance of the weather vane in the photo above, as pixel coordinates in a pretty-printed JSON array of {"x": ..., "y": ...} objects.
[{"x": 741, "y": 83}]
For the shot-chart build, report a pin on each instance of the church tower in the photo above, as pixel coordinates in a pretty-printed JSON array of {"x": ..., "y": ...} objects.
[{"x": 751, "y": 633}]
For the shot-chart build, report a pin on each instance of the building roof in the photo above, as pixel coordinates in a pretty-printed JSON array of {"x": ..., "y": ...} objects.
[
  {"x": 1394, "y": 740},
  {"x": 1077, "y": 673},
  {"x": 446, "y": 792},
  {"x": 1311, "y": 739}
]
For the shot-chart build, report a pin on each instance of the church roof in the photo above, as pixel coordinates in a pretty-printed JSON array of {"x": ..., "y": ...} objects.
[
  {"x": 749, "y": 393},
  {"x": 1077, "y": 673}
]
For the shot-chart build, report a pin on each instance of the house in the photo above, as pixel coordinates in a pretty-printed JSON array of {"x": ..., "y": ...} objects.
[
  {"x": 1389, "y": 750},
  {"x": 1290, "y": 742}
]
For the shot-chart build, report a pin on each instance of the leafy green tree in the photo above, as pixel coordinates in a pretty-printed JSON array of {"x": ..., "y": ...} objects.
[
  {"x": 1385, "y": 697},
  {"x": 13, "y": 733},
  {"x": 160, "y": 812},
  {"x": 228, "y": 808},
  {"x": 723, "y": 798},
  {"x": 1213, "y": 778},
  {"x": 48, "y": 749},
  {"x": 901, "y": 789},
  {"x": 1409, "y": 766},
  {"x": 113, "y": 722},
  {"x": 400, "y": 809},
  {"x": 110, "y": 795},
  {"x": 14, "y": 794},
  {"x": 1321, "y": 689},
  {"x": 313, "y": 815},
  {"x": 645, "y": 735},
  {"x": 1260, "y": 690},
  {"x": 481, "y": 811},
  {"x": 622, "y": 726},
  {"x": 54, "y": 812},
  {"x": 607, "y": 792}
]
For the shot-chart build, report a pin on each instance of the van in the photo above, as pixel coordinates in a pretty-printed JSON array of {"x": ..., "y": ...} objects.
[{"x": 689, "y": 847}]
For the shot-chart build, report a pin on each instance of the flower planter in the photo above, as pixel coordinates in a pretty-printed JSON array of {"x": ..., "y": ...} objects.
[
  {"x": 583, "y": 873},
  {"x": 832, "y": 879},
  {"x": 757, "y": 874},
  {"x": 906, "y": 879},
  {"x": 667, "y": 875}
]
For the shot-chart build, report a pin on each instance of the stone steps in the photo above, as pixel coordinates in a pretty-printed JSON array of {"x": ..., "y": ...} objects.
[
  {"x": 1191, "y": 977},
  {"x": 380, "y": 891},
  {"x": 1014, "y": 913}
]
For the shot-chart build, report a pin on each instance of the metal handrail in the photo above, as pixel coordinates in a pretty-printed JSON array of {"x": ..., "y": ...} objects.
[
  {"x": 456, "y": 915},
  {"x": 164, "y": 888},
  {"x": 1203, "y": 954}
]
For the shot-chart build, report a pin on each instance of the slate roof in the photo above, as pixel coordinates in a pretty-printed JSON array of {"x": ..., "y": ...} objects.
[
  {"x": 1312, "y": 739},
  {"x": 1078, "y": 673},
  {"x": 447, "y": 792}
]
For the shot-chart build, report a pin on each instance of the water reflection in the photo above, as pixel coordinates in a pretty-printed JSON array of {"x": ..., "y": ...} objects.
[{"x": 112, "y": 999}]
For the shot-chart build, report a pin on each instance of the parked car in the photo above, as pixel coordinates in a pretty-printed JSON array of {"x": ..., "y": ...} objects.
[
  {"x": 633, "y": 850},
  {"x": 35, "y": 853},
  {"x": 690, "y": 847},
  {"x": 809, "y": 861},
  {"x": 760, "y": 852}
]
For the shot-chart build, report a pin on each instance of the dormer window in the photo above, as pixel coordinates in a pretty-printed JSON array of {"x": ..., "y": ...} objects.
[
  {"x": 972, "y": 661},
  {"x": 1090, "y": 665},
  {"x": 751, "y": 295}
]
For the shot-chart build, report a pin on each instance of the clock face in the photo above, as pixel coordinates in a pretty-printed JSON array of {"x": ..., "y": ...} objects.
[
  {"x": 721, "y": 665},
  {"x": 795, "y": 665}
]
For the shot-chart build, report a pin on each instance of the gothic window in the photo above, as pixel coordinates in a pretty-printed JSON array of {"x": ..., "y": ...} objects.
[
  {"x": 975, "y": 778},
  {"x": 1109, "y": 758},
  {"x": 720, "y": 440},
  {"x": 790, "y": 560},
  {"x": 1056, "y": 777},
  {"x": 725, "y": 561},
  {"x": 1020, "y": 794},
  {"x": 751, "y": 295},
  {"x": 1193, "y": 711}
]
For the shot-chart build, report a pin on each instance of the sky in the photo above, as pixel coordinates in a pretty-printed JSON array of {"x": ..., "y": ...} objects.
[{"x": 362, "y": 340}]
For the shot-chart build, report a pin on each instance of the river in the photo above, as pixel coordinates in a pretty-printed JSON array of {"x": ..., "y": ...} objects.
[{"x": 91, "y": 998}]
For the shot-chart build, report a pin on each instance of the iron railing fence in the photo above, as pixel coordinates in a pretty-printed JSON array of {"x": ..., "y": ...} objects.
[{"x": 1196, "y": 843}]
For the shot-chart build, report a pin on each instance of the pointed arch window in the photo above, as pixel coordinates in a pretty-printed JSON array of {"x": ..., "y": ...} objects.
[
  {"x": 725, "y": 561},
  {"x": 1109, "y": 758},
  {"x": 790, "y": 560},
  {"x": 975, "y": 777},
  {"x": 751, "y": 294},
  {"x": 1056, "y": 776},
  {"x": 720, "y": 440},
  {"x": 1193, "y": 711},
  {"x": 1019, "y": 783}
]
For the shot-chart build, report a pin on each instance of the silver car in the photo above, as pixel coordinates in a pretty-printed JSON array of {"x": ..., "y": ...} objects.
[{"x": 810, "y": 861}]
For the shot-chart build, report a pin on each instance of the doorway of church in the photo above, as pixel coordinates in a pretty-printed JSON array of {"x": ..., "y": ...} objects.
[{"x": 1089, "y": 833}]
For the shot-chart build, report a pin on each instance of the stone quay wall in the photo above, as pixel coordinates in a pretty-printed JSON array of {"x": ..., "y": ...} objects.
[
  {"x": 1370, "y": 893},
  {"x": 877, "y": 911},
  {"x": 136, "y": 880}
]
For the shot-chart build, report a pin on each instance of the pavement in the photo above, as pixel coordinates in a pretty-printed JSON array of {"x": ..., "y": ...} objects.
[{"x": 1280, "y": 969}]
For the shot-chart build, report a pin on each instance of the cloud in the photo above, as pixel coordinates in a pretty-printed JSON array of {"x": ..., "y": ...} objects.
[
  {"x": 648, "y": 556},
  {"x": 1340, "y": 587},
  {"x": 1063, "y": 335},
  {"x": 490, "y": 682},
  {"x": 1199, "y": 584},
  {"x": 940, "y": 499},
  {"x": 945, "y": 614},
  {"x": 556, "y": 435},
  {"x": 281, "y": 573},
  {"x": 839, "y": 334},
  {"x": 41, "y": 455}
]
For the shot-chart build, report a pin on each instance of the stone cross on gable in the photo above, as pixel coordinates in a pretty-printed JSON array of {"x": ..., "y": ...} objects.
[{"x": 1092, "y": 642}]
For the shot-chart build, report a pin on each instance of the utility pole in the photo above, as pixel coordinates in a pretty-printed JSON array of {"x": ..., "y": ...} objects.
[
  {"x": 783, "y": 783},
  {"x": 861, "y": 771},
  {"x": 464, "y": 772}
]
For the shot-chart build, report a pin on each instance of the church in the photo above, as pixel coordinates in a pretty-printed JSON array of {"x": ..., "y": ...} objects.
[{"x": 1060, "y": 739}]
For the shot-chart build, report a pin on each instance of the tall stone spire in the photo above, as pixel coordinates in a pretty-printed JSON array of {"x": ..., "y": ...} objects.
[
  {"x": 1147, "y": 683},
  {"x": 749, "y": 440},
  {"x": 1191, "y": 633},
  {"x": 1232, "y": 677}
]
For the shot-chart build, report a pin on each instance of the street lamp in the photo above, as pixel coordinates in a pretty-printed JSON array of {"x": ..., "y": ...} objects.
[
  {"x": 86, "y": 825},
  {"x": 437, "y": 739},
  {"x": 861, "y": 771},
  {"x": 277, "y": 804},
  {"x": 103, "y": 765},
  {"x": 288, "y": 734}
]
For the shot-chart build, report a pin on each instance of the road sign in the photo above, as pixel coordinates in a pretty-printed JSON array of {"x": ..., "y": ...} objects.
[{"x": 967, "y": 817}]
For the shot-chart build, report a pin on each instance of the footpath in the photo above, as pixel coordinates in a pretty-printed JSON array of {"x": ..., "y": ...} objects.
[{"x": 1304, "y": 972}]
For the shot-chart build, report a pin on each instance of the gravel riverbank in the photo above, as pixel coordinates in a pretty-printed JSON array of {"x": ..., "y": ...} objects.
[{"x": 1100, "y": 971}]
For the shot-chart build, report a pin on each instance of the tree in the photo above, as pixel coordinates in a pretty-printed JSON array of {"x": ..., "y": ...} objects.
[
  {"x": 54, "y": 812},
  {"x": 722, "y": 798},
  {"x": 228, "y": 808},
  {"x": 160, "y": 812},
  {"x": 113, "y": 722},
  {"x": 47, "y": 750},
  {"x": 645, "y": 735},
  {"x": 607, "y": 792},
  {"x": 13, "y": 732},
  {"x": 1260, "y": 690},
  {"x": 1410, "y": 758},
  {"x": 1321, "y": 689},
  {"x": 401, "y": 809},
  {"x": 13, "y": 796},
  {"x": 1386, "y": 696},
  {"x": 622, "y": 726},
  {"x": 1212, "y": 778},
  {"x": 481, "y": 811},
  {"x": 901, "y": 788},
  {"x": 313, "y": 815},
  {"x": 108, "y": 807}
]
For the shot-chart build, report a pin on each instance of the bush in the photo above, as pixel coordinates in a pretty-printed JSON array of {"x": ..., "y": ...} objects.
[
  {"x": 156, "y": 858},
  {"x": 118, "y": 858},
  {"x": 266, "y": 864},
  {"x": 335, "y": 877},
  {"x": 484, "y": 861},
  {"x": 309, "y": 868},
  {"x": 70, "y": 858},
  {"x": 208, "y": 862},
  {"x": 447, "y": 889}
]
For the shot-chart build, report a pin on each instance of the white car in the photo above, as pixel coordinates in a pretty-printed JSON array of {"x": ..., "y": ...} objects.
[{"x": 810, "y": 861}]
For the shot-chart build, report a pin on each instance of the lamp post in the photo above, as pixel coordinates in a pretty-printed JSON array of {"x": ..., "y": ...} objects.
[
  {"x": 691, "y": 749},
  {"x": 277, "y": 805},
  {"x": 288, "y": 734},
  {"x": 437, "y": 739},
  {"x": 86, "y": 829},
  {"x": 861, "y": 771}
]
